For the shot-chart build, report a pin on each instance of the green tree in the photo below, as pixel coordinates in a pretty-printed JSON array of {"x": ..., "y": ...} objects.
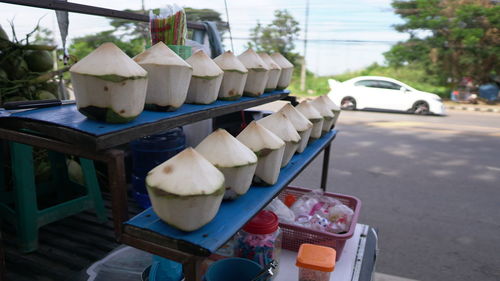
[
  {"x": 197, "y": 15},
  {"x": 450, "y": 39},
  {"x": 82, "y": 46},
  {"x": 278, "y": 36}
]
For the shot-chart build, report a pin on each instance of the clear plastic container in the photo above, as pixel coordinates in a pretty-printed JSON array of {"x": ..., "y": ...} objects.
[
  {"x": 306, "y": 274},
  {"x": 315, "y": 262},
  {"x": 260, "y": 239}
]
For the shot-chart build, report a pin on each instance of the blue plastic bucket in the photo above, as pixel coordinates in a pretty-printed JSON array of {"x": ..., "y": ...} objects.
[
  {"x": 147, "y": 153},
  {"x": 163, "y": 269},
  {"x": 232, "y": 269}
]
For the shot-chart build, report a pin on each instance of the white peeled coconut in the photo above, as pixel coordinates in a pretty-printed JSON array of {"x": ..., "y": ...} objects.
[
  {"x": 300, "y": 123},
  {"x": 332, "y": 106},
  {"x": 169, "y": 77},
  {"x": 235, "y": 76},
  {"x": 108, "y": 85},
  {"x": 236, "y": 161},
  {"x": 269, "y": 149},
  {"x": 284, "y": 129},
  {"x": 286, "y": 70},
  {"x": 274, "y": 72},
  {"x": 186, "y": 191},
  {"x": 205, "y": 81},
  {"x": 308, "y": 110},
  {"x": 258, "y": 73},
  {"x": 325, "y": 111}
]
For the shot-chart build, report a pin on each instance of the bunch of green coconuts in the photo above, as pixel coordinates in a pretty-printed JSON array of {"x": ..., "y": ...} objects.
[
  {"x": 27, "y": 73},
  {"x": 26, "y": 70}
]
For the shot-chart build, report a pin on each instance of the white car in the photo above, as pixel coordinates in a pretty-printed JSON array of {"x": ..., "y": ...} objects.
[{"x": 383, "y": 93}]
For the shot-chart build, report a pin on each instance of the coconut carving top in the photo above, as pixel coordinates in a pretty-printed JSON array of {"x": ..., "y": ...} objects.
[
  {"x": 281, "y": 61},
  {"x": 203, "y": 65},
  {"x": 160, "y": 54},
  {"x": 257, "y": 138},
  {"x": 106, "y": 60},
  {"x": 299, "y": 121},
  {"x": 251, "y": 60},
  {"x": 308, "y": 110},
  {"x": 227, "y": 61},
  {"x": 269, "y": 61},
  {"x": 322, "y": 108},
  {"x": 187, "y": 173},
  {"x": 224, "y": 150},
  {"x": 281, "y": 126},
  {"x": 329, "y": 103}
]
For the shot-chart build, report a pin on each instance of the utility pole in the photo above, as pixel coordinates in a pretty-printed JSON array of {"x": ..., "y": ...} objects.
[{"x": 303, "y": 69}]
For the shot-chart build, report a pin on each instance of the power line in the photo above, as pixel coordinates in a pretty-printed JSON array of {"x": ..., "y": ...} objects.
[{"x": 334, "y": 40}]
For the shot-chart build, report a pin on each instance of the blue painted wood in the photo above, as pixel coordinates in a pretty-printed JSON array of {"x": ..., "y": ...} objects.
[
  {"x": 232, "y": 215},
  {"x": 69, "y": 116}
]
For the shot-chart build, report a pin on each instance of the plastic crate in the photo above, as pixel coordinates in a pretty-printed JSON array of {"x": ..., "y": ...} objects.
[{"x": 294, "y": 235}]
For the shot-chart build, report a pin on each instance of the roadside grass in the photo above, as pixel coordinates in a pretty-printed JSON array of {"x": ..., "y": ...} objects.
[{"x": 413, "y": 76}]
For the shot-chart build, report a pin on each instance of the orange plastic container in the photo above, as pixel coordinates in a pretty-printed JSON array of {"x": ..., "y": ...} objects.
[{"x": 315, "y": 262}]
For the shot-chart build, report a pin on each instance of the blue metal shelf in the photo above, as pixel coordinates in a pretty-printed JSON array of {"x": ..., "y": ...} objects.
[
  {"x": 67, "y": 124},
  {"x": 231, "y": 217}
]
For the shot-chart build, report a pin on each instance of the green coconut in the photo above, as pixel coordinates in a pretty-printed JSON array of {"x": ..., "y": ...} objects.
[
  {"x": 75, "y": 171},
  {"x": 51, "y": 87},
  {"x": 16, "y": 67},
  {"x": 44, "y": 95},
  {"x": 3, "y": 75},
  {"x": 16, "y": 98},
  {"x": 39, "y": 61}
]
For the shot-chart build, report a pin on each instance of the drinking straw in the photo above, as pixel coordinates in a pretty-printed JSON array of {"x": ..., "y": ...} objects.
[{"x": 168, "y": 26}]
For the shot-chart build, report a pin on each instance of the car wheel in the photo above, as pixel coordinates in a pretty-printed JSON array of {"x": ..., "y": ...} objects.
[
  {"x": 348, "y": 103},
  {"x": 420, "y": 107}
]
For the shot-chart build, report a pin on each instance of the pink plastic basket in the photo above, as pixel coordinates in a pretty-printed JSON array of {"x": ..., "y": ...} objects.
[{"x": 294, "y": 236}]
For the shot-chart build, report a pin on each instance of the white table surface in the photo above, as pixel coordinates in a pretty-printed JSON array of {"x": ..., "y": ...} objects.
[{"x": 343, "y": 268}]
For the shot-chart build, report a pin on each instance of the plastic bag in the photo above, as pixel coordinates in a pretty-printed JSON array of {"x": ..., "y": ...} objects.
[
  {"x": 168, "y": 25},
  {"x": 318, "y": 212},
  {"x": 281, "y": 210}
]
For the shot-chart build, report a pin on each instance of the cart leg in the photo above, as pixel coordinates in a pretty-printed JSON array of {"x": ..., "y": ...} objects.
[
  {"x": 192, "y": 269},
  {"x": 326, "y": 162},
  {"x": 2, "y": 256},
  {"x": 118, "y": 188}
]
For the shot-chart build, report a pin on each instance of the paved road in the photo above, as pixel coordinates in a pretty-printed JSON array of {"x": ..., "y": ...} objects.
[{"x": 430, "y": 184}]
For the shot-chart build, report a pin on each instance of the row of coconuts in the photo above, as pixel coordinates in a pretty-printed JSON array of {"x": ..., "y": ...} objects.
[
  {"x": 186, "y": 191},
  {"x": 111, "y": 87}
]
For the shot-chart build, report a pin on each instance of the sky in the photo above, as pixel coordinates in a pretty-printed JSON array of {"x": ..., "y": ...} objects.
[{"x": 342, "y": 36}]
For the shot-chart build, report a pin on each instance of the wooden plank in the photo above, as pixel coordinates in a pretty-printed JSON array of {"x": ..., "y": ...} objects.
[
  {"x": 73, "y": 232},
  {"x": 231, "y": 216},
  {"x": 60, "y": 247},
  {"x": 79, "y": 8},
  {"x": 84, "y": 250},
  {"x": 39, "y": 265},
  {"x": 90, "y": 10}
]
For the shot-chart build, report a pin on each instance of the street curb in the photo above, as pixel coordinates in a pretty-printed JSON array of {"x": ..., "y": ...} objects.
[{"x": 471, "y": 108}]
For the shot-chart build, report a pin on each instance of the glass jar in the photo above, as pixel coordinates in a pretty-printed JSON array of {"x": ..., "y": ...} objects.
[{"x": 260, "y": 239}]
